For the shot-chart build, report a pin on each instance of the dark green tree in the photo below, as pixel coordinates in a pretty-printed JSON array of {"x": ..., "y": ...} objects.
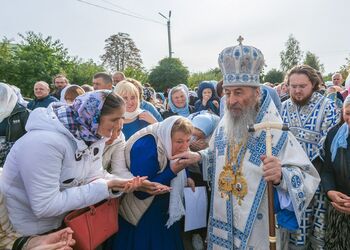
[
  {"x": 196, "y": 78},
  {"x": 81, "y": 72},
  {"x": 292, "y": 55},
  {"x": 313, "y": 61},
  {"x": 274, "y": 76},
  {"x": 120, "y": 53},
  {"x": 139, "y": 74},
  {"x": 169, "y": 73},
  {"x": 35, "y": 58},
  {"x": 7, "y": 62}
]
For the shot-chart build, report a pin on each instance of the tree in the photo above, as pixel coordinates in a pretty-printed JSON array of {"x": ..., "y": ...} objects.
[
  {"x": 313, "y": 61},
  {"x": 292, "y": 55},
  {"x": 274, "y": 76},
  {"x": 35, "y": 58},
  {"x": 6, "y": 60},
  {"x": 196, "y": 78},
  {"x": 81, "y": 72},
  {"x": 120, "y": 53},
  {"x": 345, "y": 69},
  {"x": 139, "y": 74},
  {"x": 169, "y": 73}
]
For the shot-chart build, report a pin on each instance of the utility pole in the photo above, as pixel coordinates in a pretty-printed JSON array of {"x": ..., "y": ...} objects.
[{"x": 169, "y": 36}]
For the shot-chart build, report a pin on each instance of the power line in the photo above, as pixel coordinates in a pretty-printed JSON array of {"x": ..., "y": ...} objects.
[
  {"x": 121, "y": 7},
  {"x": 119, "y": 12}
]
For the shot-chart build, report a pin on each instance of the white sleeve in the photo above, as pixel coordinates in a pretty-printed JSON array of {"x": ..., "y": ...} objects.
[
  {"x": 118, "y": 164},
  {"x": 40, "y": 169}
]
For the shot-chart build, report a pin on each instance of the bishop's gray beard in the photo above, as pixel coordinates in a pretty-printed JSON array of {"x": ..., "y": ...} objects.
[{"x": 236, "y": 127}]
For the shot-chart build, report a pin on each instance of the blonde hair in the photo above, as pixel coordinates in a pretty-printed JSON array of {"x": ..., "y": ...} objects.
[
  {"x": 182, "y": 125},
  {"x": 126, "y": 87}
]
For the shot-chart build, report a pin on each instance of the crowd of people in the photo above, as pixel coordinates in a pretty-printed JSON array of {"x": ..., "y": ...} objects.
[{"x": 78, "y": 145}]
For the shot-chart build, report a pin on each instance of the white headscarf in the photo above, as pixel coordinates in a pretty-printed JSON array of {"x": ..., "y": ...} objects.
[
  {"x": 64, "y": 91},
  {"x": 8, "y": 100},
  {"x": 176, "y": 206}
]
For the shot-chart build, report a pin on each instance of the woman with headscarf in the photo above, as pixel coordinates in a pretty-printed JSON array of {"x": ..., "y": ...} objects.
[
  {"x": 335, "y": 177},
  {"x": 207, "y": 98},
  {"x": 152, "y": 222},
  {"x": 57, "y": 166},
  {"x": 178, "y": 102},
  {"x": 135, "y": 117},
  {"x": 70, "y": 92},
  {"x": 13, "y": 118}
]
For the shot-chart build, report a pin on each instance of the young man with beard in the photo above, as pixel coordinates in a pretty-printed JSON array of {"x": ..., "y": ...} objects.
[
  {"x": 237, "y": 166},
  {"x": 309, "y": 115}
]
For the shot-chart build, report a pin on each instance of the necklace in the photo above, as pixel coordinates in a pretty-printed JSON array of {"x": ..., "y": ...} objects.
[{"x": 231, "y": 178}]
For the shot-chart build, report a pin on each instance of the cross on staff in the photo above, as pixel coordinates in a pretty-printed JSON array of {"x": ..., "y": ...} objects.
[{"x": 240, "y": 40}]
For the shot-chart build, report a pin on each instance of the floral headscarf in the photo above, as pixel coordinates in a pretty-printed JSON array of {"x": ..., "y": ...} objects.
[{"x": 82, "y": 118}]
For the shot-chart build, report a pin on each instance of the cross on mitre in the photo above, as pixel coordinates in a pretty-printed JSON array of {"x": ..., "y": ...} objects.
[{"x": 240, "y": 40}]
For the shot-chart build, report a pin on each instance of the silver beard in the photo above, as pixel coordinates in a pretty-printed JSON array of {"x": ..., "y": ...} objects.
[{"x": 236, "y": 128}]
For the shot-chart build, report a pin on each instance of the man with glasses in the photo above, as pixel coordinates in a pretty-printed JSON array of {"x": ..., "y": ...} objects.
[{"x": 309, "y": 116}]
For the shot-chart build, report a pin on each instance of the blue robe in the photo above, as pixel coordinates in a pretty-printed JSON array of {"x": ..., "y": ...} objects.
[
  {"x": 151, "y": 232},
  {"x": 131, "y": 128}
]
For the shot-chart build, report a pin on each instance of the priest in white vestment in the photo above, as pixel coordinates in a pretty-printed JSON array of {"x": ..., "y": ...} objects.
[{"x": 237, "y": 167}]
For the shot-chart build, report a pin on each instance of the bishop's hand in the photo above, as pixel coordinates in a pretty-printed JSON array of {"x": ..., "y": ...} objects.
[
  {"x": 272, "y": 169},
  {"x": 186, "y": 159}
]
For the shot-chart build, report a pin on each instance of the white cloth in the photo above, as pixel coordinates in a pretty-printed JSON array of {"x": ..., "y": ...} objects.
[
  {"x": 134, "y": 114},
  {"x": 43, "y": 179},
  {"x": 114, "y": 158},
  {"x": 8, "y": 100},
  {"x": 176, "y": 205}
]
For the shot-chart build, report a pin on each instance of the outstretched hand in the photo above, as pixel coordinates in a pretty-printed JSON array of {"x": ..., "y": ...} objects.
[
  {"x": 126, "y": 185},
  {"x": 154, "y": 188},
  {"x": 60, "y": 240}
]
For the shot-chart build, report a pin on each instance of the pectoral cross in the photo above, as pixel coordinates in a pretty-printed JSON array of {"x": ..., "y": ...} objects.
[{"x": 240, "y": 40}]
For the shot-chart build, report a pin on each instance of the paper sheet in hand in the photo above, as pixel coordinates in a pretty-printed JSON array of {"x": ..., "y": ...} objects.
[{"x": 196, "y": 208}]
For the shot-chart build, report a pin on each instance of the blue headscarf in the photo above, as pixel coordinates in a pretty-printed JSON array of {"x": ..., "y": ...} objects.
[
  {"x": 184, "y": 111},
  {"x": 340, "y": 140}
]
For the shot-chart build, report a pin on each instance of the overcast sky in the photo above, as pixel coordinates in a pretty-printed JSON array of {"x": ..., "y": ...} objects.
[{"x": 200, "y": 28}]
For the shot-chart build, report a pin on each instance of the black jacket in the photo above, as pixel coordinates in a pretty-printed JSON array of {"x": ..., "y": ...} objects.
[
  {"x": 14, "y": 124},
  {"x": 336, "y": 175}
]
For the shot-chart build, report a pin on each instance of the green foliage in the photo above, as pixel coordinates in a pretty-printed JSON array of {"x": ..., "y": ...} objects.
[
  {"x": 81, "y": 72},
  {"x": 292, "y": 55},
  {"x": 196, "y": 78},
  {"x": 313, "y": 61},
  {"x": 38, "y": 58},
  {"x": 274, "y": 76},
  {"x": 345, "y": 69},
  {"x": 139, "y": 74},
  {"x": 120, "y": 53},
  {"x": 169, "y": 73}
]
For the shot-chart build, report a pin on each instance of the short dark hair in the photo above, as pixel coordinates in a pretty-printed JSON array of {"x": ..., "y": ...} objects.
[
  {"x": 310, "y": 72},
  {"x": 112, "y": 103},
  {"x": 107, "y": 79}
]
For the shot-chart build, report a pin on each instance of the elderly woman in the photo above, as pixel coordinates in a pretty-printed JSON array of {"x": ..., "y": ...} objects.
[
  {"x": 152, "y": 222},
  {"x": 135, "y": 117},
  {"x": 178, "y": 103},
  {"x": 335, "y": 177},
  {"x": 57, "y": 166}
]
